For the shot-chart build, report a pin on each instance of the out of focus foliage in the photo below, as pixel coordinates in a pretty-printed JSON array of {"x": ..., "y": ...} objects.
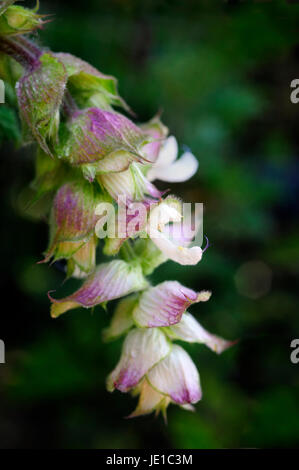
[{"x": 221, "y": 74}]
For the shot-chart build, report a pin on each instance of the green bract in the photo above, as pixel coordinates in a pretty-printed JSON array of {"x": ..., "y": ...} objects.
[
  {"x": 89, "y": 86},
  {"x": 100, "y": 141}
]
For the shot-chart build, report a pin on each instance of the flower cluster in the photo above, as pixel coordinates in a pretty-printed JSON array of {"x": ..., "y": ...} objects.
[{"x": 90, "y": 155}]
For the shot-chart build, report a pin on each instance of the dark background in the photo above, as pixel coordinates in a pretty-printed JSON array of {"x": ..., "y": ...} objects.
[{"x": 221, "y": 73}]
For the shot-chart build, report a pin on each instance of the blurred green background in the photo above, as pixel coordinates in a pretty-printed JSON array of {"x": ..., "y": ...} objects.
[{"x": 221, "y": 73}]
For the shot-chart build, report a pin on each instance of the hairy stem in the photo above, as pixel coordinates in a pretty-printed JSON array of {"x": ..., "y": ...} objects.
[
  {"x": 27, "y": 54},
  {"x": 20, "y": 49}
]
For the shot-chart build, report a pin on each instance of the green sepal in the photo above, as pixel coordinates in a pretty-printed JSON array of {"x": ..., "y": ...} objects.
[{"x": 89, "y": 86}]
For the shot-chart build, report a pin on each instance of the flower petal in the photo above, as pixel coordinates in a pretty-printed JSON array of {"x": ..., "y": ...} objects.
[
  {"x": 177, "y": 377},
  {"x": 168, "y": 153},
  {"x": 164, "y": 304},
  {"x": 177, "y": 253},
  {"x": 158, "y": 132},
  {"x": 188, "y": 329},
  {"x": 109, "y": 281},
  {"x": 167, "y": 210},
  {"x": 179, "y": 171},
  {"x": 149, "y": 400},
  {"x": 142, "y": 349},
  {"x": 130, "y": 183}
]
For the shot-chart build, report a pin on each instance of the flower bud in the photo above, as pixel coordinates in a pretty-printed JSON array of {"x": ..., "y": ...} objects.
[
  {"x": 40, "y": 92},
  {"x": 72, "y": 224},
  {"x": 15, "y": 19}
]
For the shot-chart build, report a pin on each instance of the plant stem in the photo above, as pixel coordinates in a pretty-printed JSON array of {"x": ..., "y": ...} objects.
[
  {"x": 68, "y": 105},
  {"x": 127, "y": 251},
  {"x": 27, "y": 54},
  {"x": 22, "y": 50}
]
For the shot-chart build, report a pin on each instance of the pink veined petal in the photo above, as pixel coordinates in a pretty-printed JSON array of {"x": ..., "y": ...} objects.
[
  {"x": 177, "y": 377},
  {"x": 164, "y": 304},
  {"x": 181, "y": 170},
  {"x": 190, "y": 330},
  {"x": 177, "y": 253},
  {"x": 109, "y": 281},
  {"x": 142, "y": 349}
]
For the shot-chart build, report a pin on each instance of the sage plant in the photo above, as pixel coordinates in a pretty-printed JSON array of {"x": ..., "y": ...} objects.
[{"x": 94, "y": 163}]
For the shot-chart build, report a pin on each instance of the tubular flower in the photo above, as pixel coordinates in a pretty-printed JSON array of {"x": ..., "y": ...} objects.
[
  {"x": 150, "y": 365},
  {"x": 133, "y": 182},
  {"x": 95, "y": 166},
  {"x": 142, "y": 349},
  {"x": 163, "y": 222},
  {"x": 172, "y": 240}
]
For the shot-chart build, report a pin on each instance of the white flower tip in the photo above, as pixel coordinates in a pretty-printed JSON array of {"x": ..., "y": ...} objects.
[
  {"x": 222, "y": 345},
  {"x": 204, "y": 296}
]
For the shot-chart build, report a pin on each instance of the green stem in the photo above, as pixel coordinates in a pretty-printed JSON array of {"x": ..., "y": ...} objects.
[{"x": 127, "y": 251}]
